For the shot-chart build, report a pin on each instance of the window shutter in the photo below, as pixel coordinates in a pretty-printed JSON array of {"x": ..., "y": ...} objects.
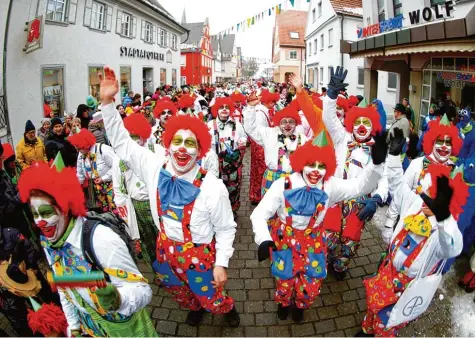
[
  {"x": 73, "y": 6},
  {"x": 108, "y": 23},
  {"x": 119, "y": 22},
  {"x": 142, "y": 30},
  {"x": 154, "y": 33},
  {"x": 134, "y": 27},
  {"x": 87, "y": 13}
]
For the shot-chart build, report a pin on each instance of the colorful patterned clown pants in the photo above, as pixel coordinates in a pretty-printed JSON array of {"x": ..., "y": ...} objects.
[
  {"x": 230, "y": 173},
  {"x": 300, "y": 289},
  {"x": 258, "y": 166}
]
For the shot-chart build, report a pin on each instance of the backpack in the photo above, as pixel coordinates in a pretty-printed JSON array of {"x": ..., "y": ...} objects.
[{"x": 110, "y": 220}]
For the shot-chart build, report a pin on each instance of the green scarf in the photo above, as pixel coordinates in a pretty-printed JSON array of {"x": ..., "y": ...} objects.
[
  {"x": 466, "y": 129},
  {"x": 63, "y": 238}
]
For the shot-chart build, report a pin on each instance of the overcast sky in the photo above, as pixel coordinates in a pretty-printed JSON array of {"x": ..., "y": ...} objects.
[{"x": 223, "y": 14}]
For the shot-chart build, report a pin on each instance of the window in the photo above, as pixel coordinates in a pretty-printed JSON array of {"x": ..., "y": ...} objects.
[
  {"x": 163, "y": 76},
  {"x": 322, "y": 41},
  {"x": 174, "y": 77},
  {"x": 437, "y": 2},
  {"x": 125, "y": 81},
  {"x": 163, "y": 38},
  {"x": 147, "y": 32},
  {"x": 174, "y": 42},
  {"x": 329, "y": 72},
  {"x": 126, "y": 22},
  {"x": 183, "y": 80},
  {"x": 94, "y": 81},
  {"x": 315, "y": 46},
  {"x": 319, "y": 9},
  {"x": 98, "y": 16},
  {"x": 314, "y": 15},
  {"x": 56, "y": 10},
  {"x": 360, "y": 77},
  {"x": 310, "y": 49},
  {"x": 294, "y": 35},
  {"x": 293, "y": 55},
  {"x": 52, "y": 84},
  {"x": 321, "y": 75},
  {"x": 392, "y": 81},
  {"x": 330, "y": 37},
  {"x": 381, "y": 10},
  {"x": 397, "y": 7}
]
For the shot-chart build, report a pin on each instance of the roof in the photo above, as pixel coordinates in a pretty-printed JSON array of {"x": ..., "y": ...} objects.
[
  {"x": 196, "y": 32},
  {"x": 227, "y": 43},
  {"x": 291, "y": 21},
  {"x": 155, "y": 5},
  {"x": 215, "y": 45},
  {"x": 348, "y": 7}
]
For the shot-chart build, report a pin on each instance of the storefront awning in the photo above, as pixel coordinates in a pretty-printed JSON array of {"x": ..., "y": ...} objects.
[
  {"x": 461, "y": 46},
  {"x": 367, "y": 54}
]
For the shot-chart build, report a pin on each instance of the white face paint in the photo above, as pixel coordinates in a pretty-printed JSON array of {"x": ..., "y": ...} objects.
[
  {"x": 224, "y": 112},
  {"x": 442, "y": 149},
  {"x": 140, "y": 141},
  {"x": 164, "y": 116},
  {"x": 287, "y": 126},
  {"x": 314, "y": 174},
  {"x": 183, "y": 151},
  {"x": 362, "y": 128},
  {"x": 49, "y": 218}
]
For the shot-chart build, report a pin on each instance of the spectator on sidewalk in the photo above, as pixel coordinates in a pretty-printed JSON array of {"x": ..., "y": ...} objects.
[
  {"x": 400, "y": 121},
  {"x": 30, "y": 149}
]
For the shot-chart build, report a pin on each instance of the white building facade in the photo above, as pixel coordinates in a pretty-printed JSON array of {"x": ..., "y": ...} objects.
[{"x": 139, "y": 39}]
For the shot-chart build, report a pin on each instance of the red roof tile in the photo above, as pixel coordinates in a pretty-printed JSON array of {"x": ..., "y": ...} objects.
[
  {"x": 291, "y": 21},
  {"x": 349, "y": 7}
]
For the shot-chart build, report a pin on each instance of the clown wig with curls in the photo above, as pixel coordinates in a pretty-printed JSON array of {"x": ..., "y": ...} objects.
[
  {"x": 186, "y": 101},
  {"x": 196, "y": 126},
  {"x": 437, "y": 130},
  {"x": 343, "y": 103},
  {"x": 353, "y": 101},
  {"x": 237, "y": 97},
  {"x": 164, "y": 105},
  {"x": 288, "y": 112},
  {"x": 137, "y": 124},
  {"x": 369, "y": 112},
  {"x": 460, "y": 188},
  {"x": 62, "y": 186},
  {"x": 267, "y": 97},
  {"x": 309, "y": 154},
  {"x": 220, "y": 101},
  {"x": 83, "y": 140}
]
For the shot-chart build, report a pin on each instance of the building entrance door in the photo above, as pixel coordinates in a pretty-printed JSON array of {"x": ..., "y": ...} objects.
[{"x": 147, "y": 81}]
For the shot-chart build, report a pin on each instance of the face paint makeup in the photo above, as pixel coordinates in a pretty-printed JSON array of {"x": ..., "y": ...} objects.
[
  {"x": 287, "y": 126},
  {"x": 224, "y": 112},
  {"x": 164, "y": 116},
  {"x": 183, "y": 150},
  {"x": 362, "y": 128},
  {"x": 442, "y": 149},
  {"x": 138, "y": 140},
  {"x": 313, "y": 174},
  {"x": 49, "y": 218}
]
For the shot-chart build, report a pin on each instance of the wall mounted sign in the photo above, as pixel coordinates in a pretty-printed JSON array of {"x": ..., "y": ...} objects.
[
  {"x": 34, "y": 39},
  {"x": 426, "y": 14},
  {"x": 455, "y": 80},
  {"x": 141, "y": 53},
  {"x": 381, "y": 27}
]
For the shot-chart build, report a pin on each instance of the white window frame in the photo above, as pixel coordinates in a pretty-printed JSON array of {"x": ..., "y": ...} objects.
[
  {"x": 294, "y": 35},
  {"x": 329, "y": 69},
  {"x": 126, "y": 23},
  {"x": 310, "y": 49},
  {"x": 174, "y": 42},
  {"x": 380, "y": 11},
  {"x": 319, "y": 9},
  {"x": 322, "y": 42},
  {"x": 330, "y": 37},
  {"x": 147, "y": 33},
  {"x": 291, "y": 53},
  {"x": 64, "y": 16},
  {"x": 358, "y": 71},
  {"x": 390, "y": 89},
  {"x": 162, "y": 39},
  {"x": 321, "y": 75},
  {"x": 315, "y": 46},
  {"x": 98, "y": 24},
  {"x": 314, "y": 15}
]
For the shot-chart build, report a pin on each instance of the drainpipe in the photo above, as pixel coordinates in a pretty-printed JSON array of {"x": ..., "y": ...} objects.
[
  {"x": 341, "y": 37},
  {"x": 5, "y": 42}
]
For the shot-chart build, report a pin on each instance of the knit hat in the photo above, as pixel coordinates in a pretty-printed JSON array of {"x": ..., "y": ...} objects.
[
  {"x": 29, "y": 126},
  {"x": 55, "y": 121},
  {"x": 46, "y": 119},
  {"x": 91, "y": 102}
]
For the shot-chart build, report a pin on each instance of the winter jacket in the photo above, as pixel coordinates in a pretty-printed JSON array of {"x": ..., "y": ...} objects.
[
  {"x": 9, "y": 238},
  {"x": 127, "y": 100},
  {"x": 97, "y": 128},
  {"x": 27, "y": 153},
  {"x": 59, "y": 143},
  {"x": 43, "y": 134}
]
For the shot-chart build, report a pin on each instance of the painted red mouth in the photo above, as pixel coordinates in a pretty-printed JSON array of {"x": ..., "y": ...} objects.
[
  {"x": 313, "y": 177},
  {"x": 182, "y": 159},
  {"x": 443, "y": 152},
  {"x": 362, "y": 131},
  {"x": 48, "y": 230}
]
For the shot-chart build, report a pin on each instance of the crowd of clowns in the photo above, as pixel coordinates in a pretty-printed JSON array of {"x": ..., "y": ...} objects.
[{"x": 170, "y": 169}]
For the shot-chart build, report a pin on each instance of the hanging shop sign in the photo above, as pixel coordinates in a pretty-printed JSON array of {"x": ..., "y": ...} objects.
[
  {"x": 34, "y": 39},
  {"x": 141, "y": 53},
  {"x": 381, "y": 27}
]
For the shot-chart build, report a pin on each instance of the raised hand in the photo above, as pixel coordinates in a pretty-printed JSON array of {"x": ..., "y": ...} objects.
[
  {"x": 397, "y": 142},
  {"x": 440, "y": 205},
  {"x": 296, "y": 81},
  {"x": 336, "y": 83},
  {"x": 252, "y": 99},
  {"x": 379, "y": 149},
  {"x": 109, "y": 86}
]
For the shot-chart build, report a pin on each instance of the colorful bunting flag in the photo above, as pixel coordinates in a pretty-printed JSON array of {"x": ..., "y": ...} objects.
[
  {"x": 292, "y": 2},
  {"x": 249, "y": 22}
]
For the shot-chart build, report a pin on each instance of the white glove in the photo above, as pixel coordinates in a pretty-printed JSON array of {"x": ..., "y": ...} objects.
[{"x": 387, "y": 235}]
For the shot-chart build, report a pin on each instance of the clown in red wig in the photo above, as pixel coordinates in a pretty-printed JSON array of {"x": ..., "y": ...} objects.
[
  {"x": 440, "y": 142},
  {"x": 296, "y": 237},
  {"x": 57, "y": 203},
  {"x": 94, "y": 170},
  {"x": 189, "y": 206},
  {"x": 279, "y": 140},
  {"x": 229, "y": 144},
  {"x": 239, "y": 101},
  {"x": 426, "y": 234},
  {"x": 353, "y": 139},
  {"x": 163, "y": 110}
]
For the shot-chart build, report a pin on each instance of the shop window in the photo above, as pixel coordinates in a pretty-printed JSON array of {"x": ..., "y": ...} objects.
[
  {"x": 436, "y": 63},
  {"x": 426, "y": 77},
  {"x": 293, "y": 55},
  {"x": 147, "y": 81},
  {"x": 392, "y": 81},
  {"x": 174, "y": 77},
  {"x": 449, "y": 64},
  {"x": 125, "y": 81},
  {"x": 471, "y": 65},
  {"x": 163, "y": 76},
  {"x": 52, "y": 83},
  {"x": 360, "y": 77},
  {"x": 56, "y": 10},
  {"x": 462, "y": 64},
  {"x": 94, "y": 80}
]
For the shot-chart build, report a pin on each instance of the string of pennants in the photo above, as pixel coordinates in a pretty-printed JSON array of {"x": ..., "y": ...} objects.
[{"x": 242, "y": 26}]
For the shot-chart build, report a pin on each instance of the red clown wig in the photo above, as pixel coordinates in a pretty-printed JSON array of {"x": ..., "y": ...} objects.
[
  {"x": 369, "y": 112},
  {"x": 353, "y": 100},
  {"x": 82, "y": 140},
  {"x": 290, "y": 111},
  {"x": 199, "y": 128},
  {"x": 308, "y": 154},
  {"x": 343, "y": 103},
  {"x": 186, "y": 101},
  {"x": 220, "y": 101},
  {"x": 437, "y": 130},
  {"x": 460, "y": 188},
  {"x": 267, "y": 97},
  {"x": 137, "y": 124},
  {"x": 237, "y": 97},
  {"x": 63, "y": 186},
  {"x": 164, "y": 105}
]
